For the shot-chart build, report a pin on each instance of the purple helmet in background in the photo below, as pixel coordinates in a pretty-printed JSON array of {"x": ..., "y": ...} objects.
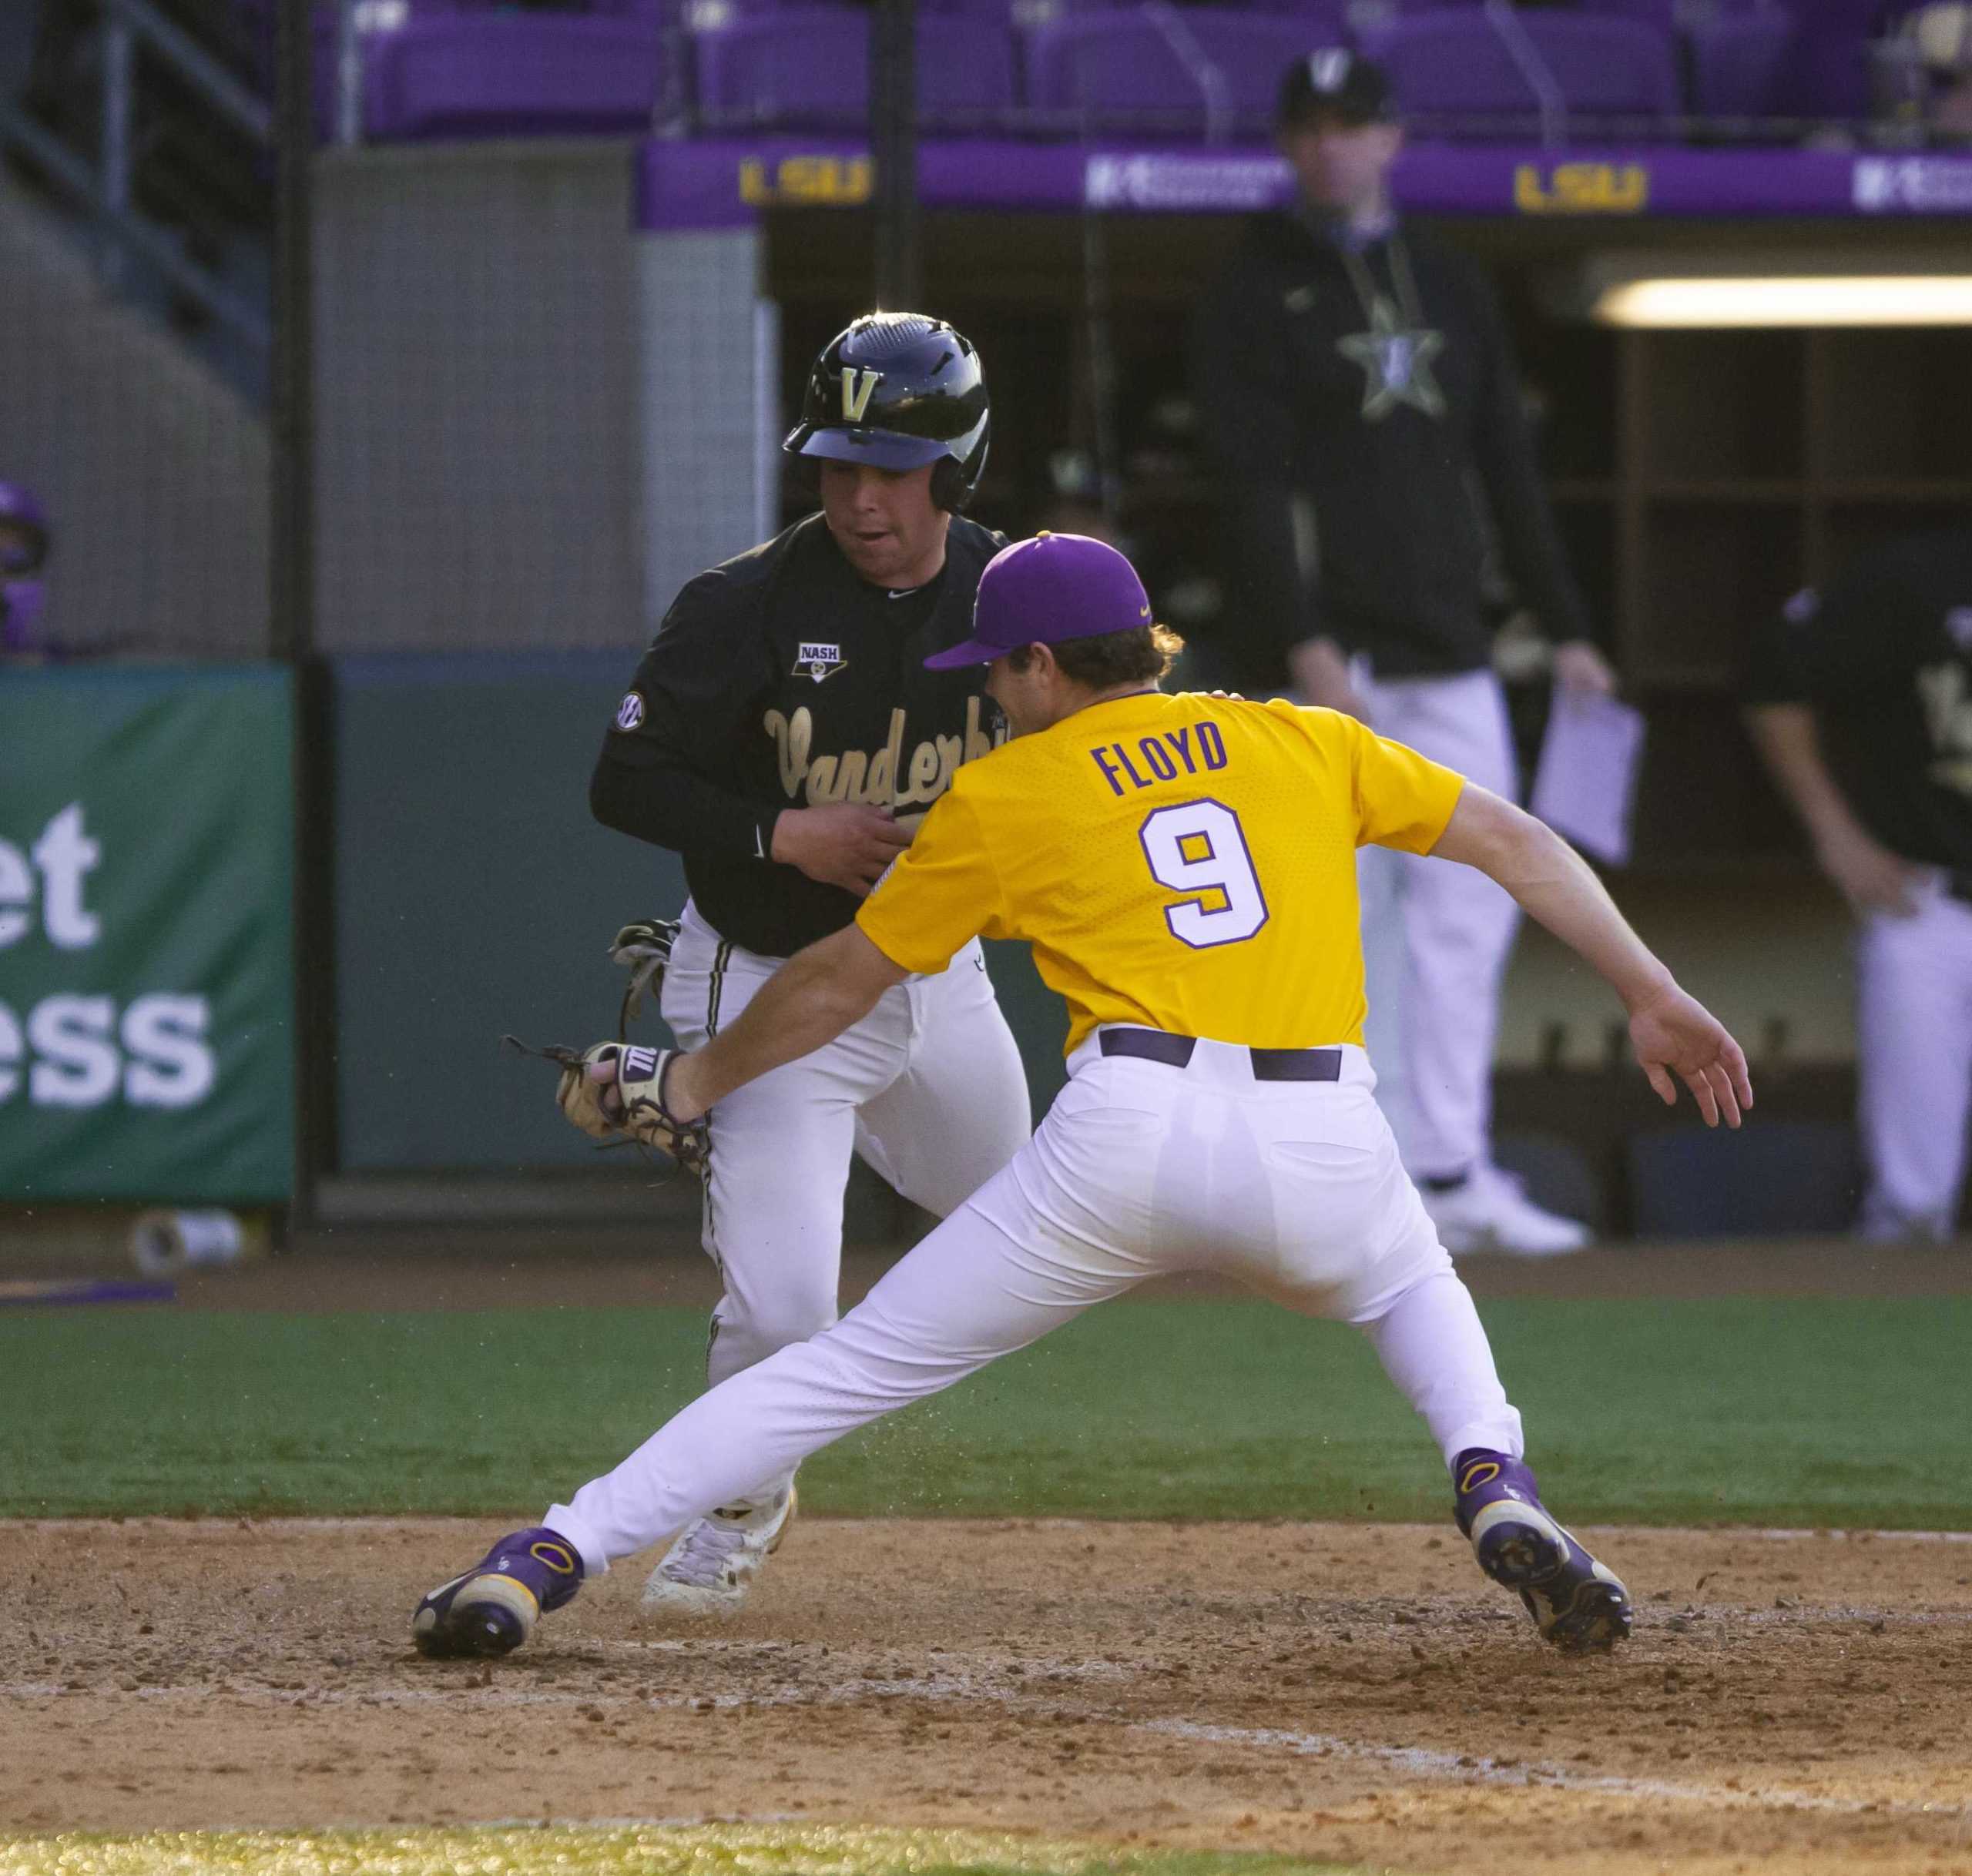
[
  {"x": 17, "y": 505},
  {"x": 24, "y": 534}
]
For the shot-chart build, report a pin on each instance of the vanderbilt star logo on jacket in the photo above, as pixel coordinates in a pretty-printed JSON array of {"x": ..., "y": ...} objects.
[{"x": 1396, "y": 363}]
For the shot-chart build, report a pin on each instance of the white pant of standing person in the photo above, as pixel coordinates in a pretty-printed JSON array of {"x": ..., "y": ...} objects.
[
  {"x": 1914, "y": 1051},
  {"x": 1141, "y": 1168},
  {"x": 928, "y": 1088},
  {"x": 1436, "y": 938}
]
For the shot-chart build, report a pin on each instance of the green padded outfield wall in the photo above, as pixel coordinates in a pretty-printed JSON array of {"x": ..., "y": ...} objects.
[
  {"x": 474, "y": 896},
  {"x": 146, "y": 950}
]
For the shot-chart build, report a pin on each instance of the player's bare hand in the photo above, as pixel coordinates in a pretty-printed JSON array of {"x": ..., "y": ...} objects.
[
  {"x": 1868, "y": 875},
  {"x": 602, "y": 1075},
  {"x": 1675, "y": 1035},
  {"x": 844, "y": 844},
  {"x": 1321, "y": 677},
  {"x": 1581, "y": 671}
]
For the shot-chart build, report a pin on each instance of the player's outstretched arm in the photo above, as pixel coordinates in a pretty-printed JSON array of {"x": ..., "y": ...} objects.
[
  {"x": 810, "y": 1001},
  {"x": 1673, "y": 1033}
]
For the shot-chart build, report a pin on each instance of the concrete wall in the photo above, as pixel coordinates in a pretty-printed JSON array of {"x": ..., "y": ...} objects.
[
  {"x": 478, "y": 479},
  {"x": 534, "y": 423}
]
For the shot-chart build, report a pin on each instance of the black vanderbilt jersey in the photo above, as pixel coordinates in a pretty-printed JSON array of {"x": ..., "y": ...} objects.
[
  {"x": 781, "y": 679},
  {"x": 1884, "y": 655}
]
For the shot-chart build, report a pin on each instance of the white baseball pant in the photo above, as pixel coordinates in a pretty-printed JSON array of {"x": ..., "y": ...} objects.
[
  {"x": 1436, "y": 938},
  {"x": 928, "y": 1088},
  {"x": 1140, "y": 1169},
  {"x": 1914, "y": 1063}
]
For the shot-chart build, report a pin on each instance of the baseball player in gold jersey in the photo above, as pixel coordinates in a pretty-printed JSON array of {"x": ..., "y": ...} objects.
[{"x": 1184, "y": 868}]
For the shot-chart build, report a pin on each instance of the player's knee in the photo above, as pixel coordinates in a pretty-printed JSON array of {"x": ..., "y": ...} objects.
[{"x": 793, "y": 1312}]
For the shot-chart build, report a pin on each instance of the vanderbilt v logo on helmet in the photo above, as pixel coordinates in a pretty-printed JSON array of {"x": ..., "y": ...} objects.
[
  {"x": 857, "y": 387},
  {"x": 899, "y": 391}
]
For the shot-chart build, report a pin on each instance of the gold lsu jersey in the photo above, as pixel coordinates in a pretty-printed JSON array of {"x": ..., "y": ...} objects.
[{"x": 1183, "y": 862}]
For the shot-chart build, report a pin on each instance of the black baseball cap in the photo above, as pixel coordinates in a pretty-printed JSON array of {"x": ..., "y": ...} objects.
[{"x": 1332, "y": 82}]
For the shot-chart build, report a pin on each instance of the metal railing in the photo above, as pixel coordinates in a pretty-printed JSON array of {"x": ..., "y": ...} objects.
[{"x": 132, "y": 28}]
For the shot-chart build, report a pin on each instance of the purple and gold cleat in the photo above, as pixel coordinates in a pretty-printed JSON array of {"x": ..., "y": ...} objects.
[
  {"x": 1579, "y": 1604},
  {"x": 492, "y": 1609}
]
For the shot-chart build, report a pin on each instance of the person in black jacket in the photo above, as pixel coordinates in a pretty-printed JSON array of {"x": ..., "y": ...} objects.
[
  {"x": 1859, "y": 699},
  {"x": 1359, "y": 401},
  {"x": 782, "y": 735}
]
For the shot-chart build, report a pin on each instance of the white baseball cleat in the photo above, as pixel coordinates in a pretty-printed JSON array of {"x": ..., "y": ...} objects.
[
  {"x": 709, "y": 1569},
  {"x": 1491, "y": 1211}
]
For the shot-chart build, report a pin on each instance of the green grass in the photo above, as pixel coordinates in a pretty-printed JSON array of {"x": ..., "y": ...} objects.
[
  {"x": 705, "y": 1849},
  {"x": 1796, "y": 1411}
]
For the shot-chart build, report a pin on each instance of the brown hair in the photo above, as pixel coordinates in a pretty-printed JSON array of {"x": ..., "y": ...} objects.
[{"x": 1143, "y": 655}]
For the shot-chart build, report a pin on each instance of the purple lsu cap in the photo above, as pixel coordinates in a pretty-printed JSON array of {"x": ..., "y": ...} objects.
[{"x": 1044, "y": 591}]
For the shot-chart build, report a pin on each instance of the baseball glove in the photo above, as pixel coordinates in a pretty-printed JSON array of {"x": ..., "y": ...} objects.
[
  {"x": 628, "y": 1104},
  {"x": 644, "y": 949}
]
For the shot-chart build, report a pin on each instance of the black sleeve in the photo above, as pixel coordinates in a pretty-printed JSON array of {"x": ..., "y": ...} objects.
[
  {"x": 665, "y": 772},
  {"x": 1866, "y": 631},
  {"x": 1775, "y": 671},
  {"x": 671, "y": 807},
  {"x": 1245, "y": 397},
  {"x": 1529, "y": 542}
]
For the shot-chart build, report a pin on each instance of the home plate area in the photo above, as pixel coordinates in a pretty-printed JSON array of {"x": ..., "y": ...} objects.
[{"x": 1026, "y": 1695}]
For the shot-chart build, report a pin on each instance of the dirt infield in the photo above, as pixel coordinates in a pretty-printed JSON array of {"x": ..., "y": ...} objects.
[{"x": 1358, "y": 1693}]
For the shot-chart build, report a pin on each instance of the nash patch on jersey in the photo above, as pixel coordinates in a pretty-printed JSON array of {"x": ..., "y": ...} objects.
[
  {"x": 817, "y": 660},
  {"x": 630, "y": 712}
]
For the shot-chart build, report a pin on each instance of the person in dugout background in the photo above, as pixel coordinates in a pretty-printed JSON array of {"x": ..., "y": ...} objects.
[
  {"x": 1860, "y": 700},
  {"x": 1358, "y": 400},
  {"x": 24, "y": 540}
]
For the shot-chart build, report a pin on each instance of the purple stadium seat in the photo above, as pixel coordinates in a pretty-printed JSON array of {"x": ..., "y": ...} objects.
[
  {"x": 1448, "y": 61},
  {"x": 1365, "y": 13},
  {"x": 1607, "y": 68},
  {"x": 1465, "y": 67},
  {"x": 810, "y": 66},
  {"x": 1667, "y": 16},
  {"x": 1162, "y": 69},
  {"x": 1326, "y": 22},
  {"x": 484, "y": 74},
  {"x": 1738, "y": 63},
  {"x": 1827, "y": 71}
]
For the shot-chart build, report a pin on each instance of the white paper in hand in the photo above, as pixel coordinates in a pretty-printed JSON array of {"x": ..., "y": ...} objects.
[{"x": 1587, "y": 777}]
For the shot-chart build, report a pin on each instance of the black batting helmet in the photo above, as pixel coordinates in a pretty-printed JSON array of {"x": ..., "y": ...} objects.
[{"x": 899, "y": 390}]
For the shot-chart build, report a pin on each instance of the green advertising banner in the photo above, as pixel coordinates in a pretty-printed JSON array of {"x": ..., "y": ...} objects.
[{"x": 146, "y": 977}]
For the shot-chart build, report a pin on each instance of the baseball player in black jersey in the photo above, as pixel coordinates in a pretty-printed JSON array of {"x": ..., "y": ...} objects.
[
  {"x": 1860, "y": 700},
  {"x": 782, "y": 735},
  {"x": 1357, "y": 391}
]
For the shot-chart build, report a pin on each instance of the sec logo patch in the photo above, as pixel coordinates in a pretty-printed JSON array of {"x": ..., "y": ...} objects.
[{"x": 630, "y": 712}]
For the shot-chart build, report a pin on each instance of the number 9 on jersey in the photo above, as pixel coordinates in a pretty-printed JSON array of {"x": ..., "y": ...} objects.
[{"x": 1197, "y": 848}]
